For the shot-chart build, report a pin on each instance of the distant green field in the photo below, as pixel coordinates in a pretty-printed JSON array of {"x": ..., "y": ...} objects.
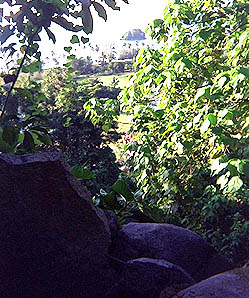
[{"x": 123, "y": 79}]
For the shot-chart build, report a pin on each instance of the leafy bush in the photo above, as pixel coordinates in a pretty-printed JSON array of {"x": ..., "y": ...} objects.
[{"x": 73, "y": 133}]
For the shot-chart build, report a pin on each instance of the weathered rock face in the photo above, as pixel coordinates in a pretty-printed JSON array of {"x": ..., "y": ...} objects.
[
  {"x": 146, "y": 277},
  {"x": 112, "y": 220},
  {"x": 52, "y": 241},
  {"x": 231, "y": 284},
  {"x": 173, "y": 244}
]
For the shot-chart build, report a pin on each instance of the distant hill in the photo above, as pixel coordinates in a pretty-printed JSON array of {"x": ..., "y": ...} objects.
[{"x": 134, "y": 34}]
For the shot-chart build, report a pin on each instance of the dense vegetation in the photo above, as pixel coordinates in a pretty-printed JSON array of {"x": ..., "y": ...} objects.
[
  {"x": 187, "y": 157},
  {"x": 189, "y": 102}
]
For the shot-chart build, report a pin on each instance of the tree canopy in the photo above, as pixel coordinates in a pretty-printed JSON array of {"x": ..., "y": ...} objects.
[{"x": 189, "y": 101}]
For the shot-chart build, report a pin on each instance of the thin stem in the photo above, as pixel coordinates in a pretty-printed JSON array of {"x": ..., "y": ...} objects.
[{"x": 17, "y": 74}]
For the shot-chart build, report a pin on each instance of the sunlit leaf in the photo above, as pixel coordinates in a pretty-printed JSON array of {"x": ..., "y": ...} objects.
[
  {"x": 74, "y": 39},
  {"x": 234, "y": 184},
  {"x": 213, "y": 119}
]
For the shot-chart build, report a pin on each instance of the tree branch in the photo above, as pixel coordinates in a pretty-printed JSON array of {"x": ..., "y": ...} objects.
[{"x": 18, "y": 73}]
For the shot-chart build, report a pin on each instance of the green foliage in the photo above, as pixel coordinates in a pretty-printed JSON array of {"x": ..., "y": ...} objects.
[
  {"x": 82, "y": 173},
  {"x": 125, "y": 200},
  {"x": 42, "y": 14},
  {"x": 83, "y": 65},
  {"x": 23, "y": 135},
  {"x": 189, "y": 102},
  {"x": 103, "y": 111},
  {"x": 73, "y": 133},
  {"x": 26, "y": 21}
]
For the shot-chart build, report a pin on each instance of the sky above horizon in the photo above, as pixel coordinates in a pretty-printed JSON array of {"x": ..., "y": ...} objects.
[{"x": 135, "y": 15}]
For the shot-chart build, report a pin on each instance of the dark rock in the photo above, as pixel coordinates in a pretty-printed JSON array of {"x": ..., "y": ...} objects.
[
  {"x": 53, "y": 243},
  {"x": 112, "y": 220},
  {"x": 146, "y": 278},
  {"x": 173, "y": 244},
  {"x": 231, "y": 284}
]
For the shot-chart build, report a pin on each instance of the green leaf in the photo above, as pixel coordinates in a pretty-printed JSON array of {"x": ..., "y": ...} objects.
[
  {"x": 159, "y": 113},
  {"x": 68, "y": 49},
  {"x": 234, "y": 184},
  {"x": 4, "y": 147},
  {"x": 106, "y": 127},
  {"x": 71, "y": 70},
  {"x": 213, "y": 119},
  {"x": 84, "y": 39},
  {"x": 71, "y": 57},
  {"x": 24, "y": 92},
  {"x": 82, "y": 173},
  {"x": 32, "y": 67},
  {"x": 243, "y": 167},
  {"x": 121, "y": 188},
  {"x": 223, "y": 180},
  {"x": 244, "y": 71},
  {"x": 232, "y": 169},
  {"x": 229, "y": 116},
  {"x": 202, "y": 92},
  {"x": 100, "y": 10},
  {"x": 87, "y": 19},
  {"x": 28, "y": 142},
  {"x": 45, "y": 139},
  {"x": 66, "y": 25},
  {"x": 112, "y": 4},
  {"x": 187, "y": 63},
  {"x": 205, "y": 34},
  {"x": 50, "y": 34},
  {"x": 110, "y": 201},
  {"x": 74, "y": 39},
  {"x": 226, "y": 140},
  {"x": 10, "y": 135}
]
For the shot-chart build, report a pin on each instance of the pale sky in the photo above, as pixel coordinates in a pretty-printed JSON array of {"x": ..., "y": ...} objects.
[{"x": 135, "y": 15}]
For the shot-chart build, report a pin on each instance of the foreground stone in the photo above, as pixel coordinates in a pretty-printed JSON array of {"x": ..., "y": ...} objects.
[
  {"x": 173, "y": 244},
  {"x": 231, "y": 284},
  {"x": 52, "y": 241},
  {"x": 146, "y": 278}
]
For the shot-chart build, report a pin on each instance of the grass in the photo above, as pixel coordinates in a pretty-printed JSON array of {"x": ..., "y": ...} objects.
[{"x": 123, "y": 79}]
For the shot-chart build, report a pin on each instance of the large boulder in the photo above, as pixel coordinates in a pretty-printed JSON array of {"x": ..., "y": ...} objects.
[
  {"x": 231, "y": 284},
  {"x": 173, "y": 244},
  {"x": 146, "y": 278},
  {"x": 53, "y": 242}
]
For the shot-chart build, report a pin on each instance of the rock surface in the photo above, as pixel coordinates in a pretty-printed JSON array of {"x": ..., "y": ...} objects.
[
  {"x": 231, "y": 284},
  {"x": 173, "y": 244},
  {"x": 112, "y": 220},
  {"x": 146, "y": 278},
  {"x": 53, "y": 243}
]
